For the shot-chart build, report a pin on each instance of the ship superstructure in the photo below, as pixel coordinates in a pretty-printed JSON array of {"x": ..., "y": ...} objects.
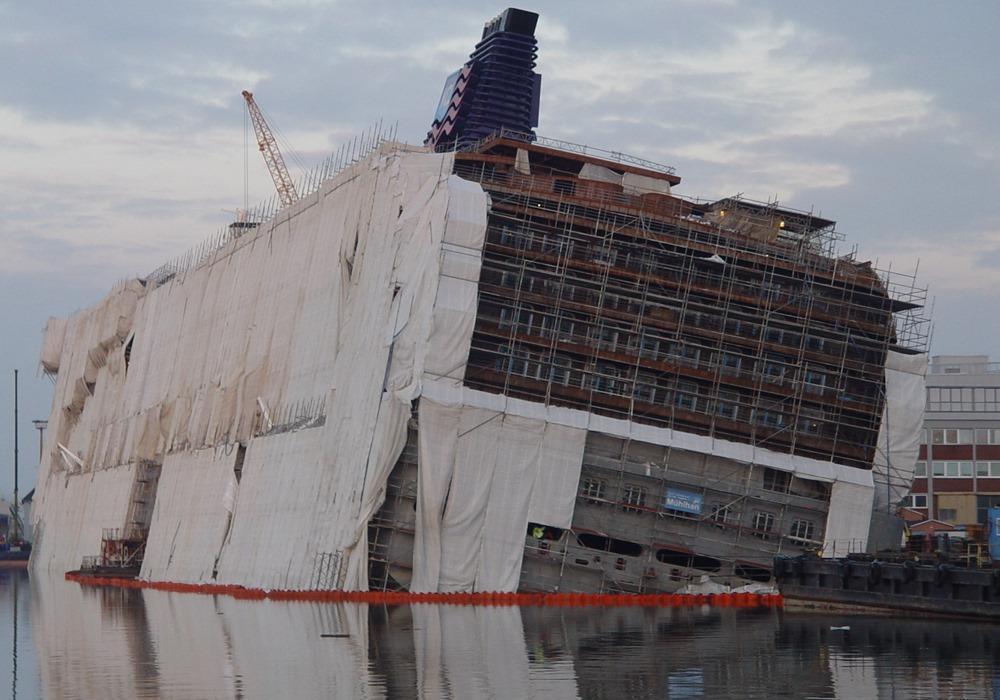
[
  {"x": 507, "y": 363},
  {"x": 731, "y": 374}
]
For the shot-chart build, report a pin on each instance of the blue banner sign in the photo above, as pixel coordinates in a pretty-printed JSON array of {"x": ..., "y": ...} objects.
[
  {"x": 684, "y": 501},
  {"x": 995, "y": 534}
]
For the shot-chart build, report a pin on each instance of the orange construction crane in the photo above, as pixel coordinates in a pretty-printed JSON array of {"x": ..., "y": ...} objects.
[{"x": 272, "y": 156}]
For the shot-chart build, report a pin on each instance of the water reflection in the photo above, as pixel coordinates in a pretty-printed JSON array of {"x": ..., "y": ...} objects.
[
  {"x": 76, "y": 642},
  {"x": 13, "y": 660}
]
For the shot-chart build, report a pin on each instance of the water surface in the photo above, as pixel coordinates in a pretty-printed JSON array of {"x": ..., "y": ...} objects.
[{"x": 78, "y": 642}]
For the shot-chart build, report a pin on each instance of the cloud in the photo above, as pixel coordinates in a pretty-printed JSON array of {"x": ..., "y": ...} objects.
[
  {"x": 123, "y": 197},
  {"x": 952, "y": 262},
  {"x": 755, "y": 104},
  {"x": 743, "y": 102}
]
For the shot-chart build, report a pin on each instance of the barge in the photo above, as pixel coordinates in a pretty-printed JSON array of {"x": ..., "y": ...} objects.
[{"x": 871, "y": 585}]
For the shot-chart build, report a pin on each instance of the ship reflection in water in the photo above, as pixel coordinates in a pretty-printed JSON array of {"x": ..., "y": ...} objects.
[{"x": 75, "y": 642}]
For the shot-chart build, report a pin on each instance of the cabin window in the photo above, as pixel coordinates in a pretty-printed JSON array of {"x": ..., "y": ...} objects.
[
  {"x": 609, "y": 544},
  {"x": 545, "y": 532},
  {"x": 650, "y": 347},
  {"x": 567, "y": 187},
  {"x": 686, "y": 396},
  {"x": 763, "y": 524},
  {"x": 754, "y": 573},
  {"x": 776, "y": 480},
  {"x": 724, "y": 514},
  {"x": 633, "y": 498},
  {"x": 728, "y": 359},
  {"x": 675, "y": 557},
  {"x": 802, "y": 530},
  {"x": 815, "y": 378},
  {"x": 594, "y": 490},
  {"x": 772, "y": 418}
]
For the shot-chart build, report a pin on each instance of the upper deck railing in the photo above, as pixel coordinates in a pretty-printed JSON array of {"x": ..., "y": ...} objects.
[{"x": 582, "y": 149}]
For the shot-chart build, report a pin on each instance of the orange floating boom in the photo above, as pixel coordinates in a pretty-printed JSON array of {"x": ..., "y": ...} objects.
[{"x": 573, "y": 600}]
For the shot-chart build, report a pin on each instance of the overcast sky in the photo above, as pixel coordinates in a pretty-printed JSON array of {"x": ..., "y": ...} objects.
[{"x": 122, "y": 128}]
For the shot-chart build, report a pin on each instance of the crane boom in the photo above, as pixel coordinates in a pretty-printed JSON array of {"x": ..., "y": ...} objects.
[{"x": 272, "y": 156}]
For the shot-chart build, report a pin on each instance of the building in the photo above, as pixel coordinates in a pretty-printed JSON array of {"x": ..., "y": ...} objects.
[
  {"x": 507, "y": 363},
  {"x": 958, "y": 474}
]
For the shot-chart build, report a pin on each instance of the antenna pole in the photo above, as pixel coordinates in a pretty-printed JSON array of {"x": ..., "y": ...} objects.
[{"x": 17, "y": 516}]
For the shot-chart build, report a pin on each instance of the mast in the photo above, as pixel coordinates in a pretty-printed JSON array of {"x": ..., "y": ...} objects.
[{"x": 15, "y": 514}]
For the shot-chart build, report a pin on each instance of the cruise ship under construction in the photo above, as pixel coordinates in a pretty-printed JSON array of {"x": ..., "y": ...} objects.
[{"x": 493, "y": 362}]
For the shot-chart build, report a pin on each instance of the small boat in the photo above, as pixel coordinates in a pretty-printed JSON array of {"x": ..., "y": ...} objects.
[{"x": 15, "y": 556}]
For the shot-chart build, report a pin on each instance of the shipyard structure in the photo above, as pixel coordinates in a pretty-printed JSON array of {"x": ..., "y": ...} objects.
[{"x": 494, "y": 362}]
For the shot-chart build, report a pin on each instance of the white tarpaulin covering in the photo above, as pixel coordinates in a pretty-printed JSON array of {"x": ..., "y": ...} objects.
[
  {"x": 631, "y": 183},
  {"x": 848, "y": 520},
  {"x": 194, "y": 504},
  {"x": 643, "y": 184},
  {"x": 52, "y": 343},
  {"x": 899, "y": 434},
  {"x": 483, "y": 475},
  {"x": 341, "y": 303},
  {"x": 78, "y": 509}
]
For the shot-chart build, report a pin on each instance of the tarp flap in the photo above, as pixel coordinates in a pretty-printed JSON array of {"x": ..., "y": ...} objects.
[
  {"x": 52, "y": 343},
  {"x": 194, "y": 502},
  {"x": 553, "y": 497},
  {"x": 437, "y": 445},
  {"x": 81, "y": 506},
  {"x": 507, "y": 509},
  {"x": 848, "y": 519},
  {"x": 643, "y": 184},
  {"x": 589, "y": 171},
  {"x": 480, "y": 474},
  {"x": 468, "y": 498},
  {"x": 899, "y": 434},
  {"x": 273, "y": 541}
]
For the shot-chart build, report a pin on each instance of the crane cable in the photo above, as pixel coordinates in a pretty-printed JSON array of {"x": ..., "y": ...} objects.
[{"x": 246, "y": 161}]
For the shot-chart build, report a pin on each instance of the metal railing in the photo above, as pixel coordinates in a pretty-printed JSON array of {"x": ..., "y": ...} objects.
[{"x": 582, "y": 149}]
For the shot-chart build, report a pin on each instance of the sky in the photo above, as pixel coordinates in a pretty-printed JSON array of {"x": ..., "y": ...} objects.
[{"x": 123, "y": 131}]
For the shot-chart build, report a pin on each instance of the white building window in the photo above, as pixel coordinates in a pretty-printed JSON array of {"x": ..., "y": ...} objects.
[
  {"x": 952, "y": 469},
  {"x": 988, "y": 469},
  {"x": 987, "y": 436},
  {"x": 951, "y": 436}
]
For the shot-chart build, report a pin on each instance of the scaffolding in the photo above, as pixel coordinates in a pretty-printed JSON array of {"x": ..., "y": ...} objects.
[
  {"x": 733, "y": 319},
  {"x": 683, "y": 314}
]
